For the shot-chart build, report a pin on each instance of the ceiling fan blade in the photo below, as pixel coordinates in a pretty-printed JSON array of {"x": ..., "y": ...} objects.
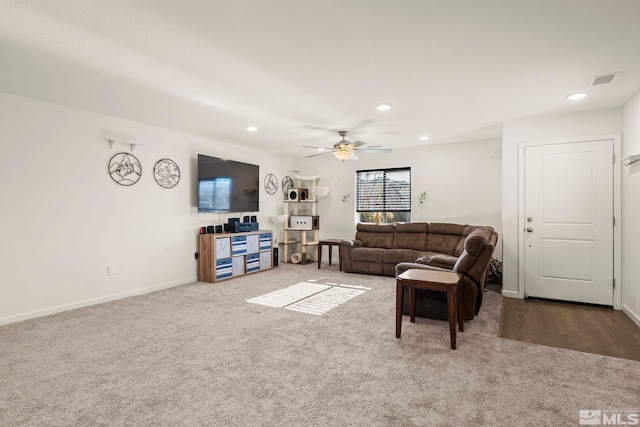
[
  {"x": 322, "y": 129},
  {"x": 319, "y": 154},
  {"x": 358, "y": 143},
  {"x": 316, "y": 147},
  {"x": 375, "y": 150}
]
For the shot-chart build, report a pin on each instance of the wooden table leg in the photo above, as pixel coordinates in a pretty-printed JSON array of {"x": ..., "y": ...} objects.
[
  {"x": 330, "y": 255},
  {"x": 319, "y": 254},
  {"x": 412, "y": 304},
  {"x": 460, "y": 305},
  {"x": 451, "y": 296},
  {"x": 399, "y": 300},
  {"x": 340, "y": 257}
]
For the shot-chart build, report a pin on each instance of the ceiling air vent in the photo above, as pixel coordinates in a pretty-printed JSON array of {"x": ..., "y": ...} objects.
[{"x": 604, "y": 79}]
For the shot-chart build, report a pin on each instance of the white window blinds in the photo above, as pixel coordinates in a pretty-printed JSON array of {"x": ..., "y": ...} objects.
[{"x": 383, "y": 190}]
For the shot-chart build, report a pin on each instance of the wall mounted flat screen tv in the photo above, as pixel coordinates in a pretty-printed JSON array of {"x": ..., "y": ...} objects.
[{"x": 227, "y": 186}]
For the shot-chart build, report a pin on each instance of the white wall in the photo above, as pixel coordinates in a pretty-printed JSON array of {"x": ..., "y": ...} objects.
[
  {"x": 462, "y": 185},
  {"x": 631, "y": 212},
  {"x": 590, "y": 124},
  {"x": 64, "y": 220}
]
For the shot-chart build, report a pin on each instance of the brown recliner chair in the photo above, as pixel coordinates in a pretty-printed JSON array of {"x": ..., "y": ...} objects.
[{"x": 473, "y": 264}]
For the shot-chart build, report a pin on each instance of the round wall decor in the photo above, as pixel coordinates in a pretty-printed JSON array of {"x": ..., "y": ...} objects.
[
  {"x": 271, "y": 183},
  {"x": 125, "y": 169},
  {"x": 167, "y": 173},
  {"x": 287, "y": 183}
]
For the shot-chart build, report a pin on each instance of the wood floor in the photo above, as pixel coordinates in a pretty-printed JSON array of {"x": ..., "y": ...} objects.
[{"x": 579, "y": 327}]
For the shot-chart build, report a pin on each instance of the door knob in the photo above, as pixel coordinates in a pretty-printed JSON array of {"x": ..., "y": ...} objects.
[{"x": 529, "y": 229}]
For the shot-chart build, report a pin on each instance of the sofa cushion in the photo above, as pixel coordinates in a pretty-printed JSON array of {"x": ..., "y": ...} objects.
[
  {"x": 445, "y": 238},
  {"x": 375, "y": 235},
  {"x": 395, "y": 256},
  {"x": 367, "y": 254},
  {"x": 411, "y": 235}
]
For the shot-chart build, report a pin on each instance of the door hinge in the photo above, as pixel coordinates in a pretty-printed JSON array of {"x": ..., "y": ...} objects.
[
  {"x": 614, "y": 158},
  {"x": 614, "y": 283},
  {"x": 614, "y": 221}
]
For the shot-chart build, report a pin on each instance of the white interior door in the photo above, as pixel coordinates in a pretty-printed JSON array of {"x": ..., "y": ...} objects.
[{"x": 568, "y": 221}]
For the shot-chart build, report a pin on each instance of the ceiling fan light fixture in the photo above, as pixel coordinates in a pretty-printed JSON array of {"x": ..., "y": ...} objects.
[
  {"x": 384, "y": 106},
  {"x": 343, "y": 154}
]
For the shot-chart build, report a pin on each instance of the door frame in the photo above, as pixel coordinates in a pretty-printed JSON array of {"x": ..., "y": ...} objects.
[{"x": 617, "y": 208}]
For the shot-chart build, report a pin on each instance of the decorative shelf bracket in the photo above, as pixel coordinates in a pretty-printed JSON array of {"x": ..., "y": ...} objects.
[{"x": 132, "y": 144}]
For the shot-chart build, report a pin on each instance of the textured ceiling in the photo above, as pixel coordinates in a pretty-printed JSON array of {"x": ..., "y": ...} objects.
[{"x": 300, "y": 70}]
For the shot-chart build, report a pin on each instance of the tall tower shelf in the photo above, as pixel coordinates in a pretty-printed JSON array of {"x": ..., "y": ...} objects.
[{"x": 300, "y": 243}]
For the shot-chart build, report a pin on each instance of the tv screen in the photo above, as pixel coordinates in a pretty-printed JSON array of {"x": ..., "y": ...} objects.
[{"x": 227, "y": 186}]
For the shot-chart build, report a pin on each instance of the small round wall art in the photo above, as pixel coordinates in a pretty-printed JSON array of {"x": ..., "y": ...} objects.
[
  {"x": 287, "y": 183},
  {"x": 167, "y": 173},
  {"x": 125, "y": 169},
  {"x": 271, "y": 183}
]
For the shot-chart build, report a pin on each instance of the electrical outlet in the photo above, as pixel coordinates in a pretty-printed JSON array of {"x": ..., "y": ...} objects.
[
  {"x": 196, "y": 255},
  {"x": 111, "y": 270}
]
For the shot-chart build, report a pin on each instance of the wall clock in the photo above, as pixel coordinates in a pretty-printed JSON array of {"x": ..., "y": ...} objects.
[
  {"x": 287, "y": 183},
  {"x": 271, "y": 183}
]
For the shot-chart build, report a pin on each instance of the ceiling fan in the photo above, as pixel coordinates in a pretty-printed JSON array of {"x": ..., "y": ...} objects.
[{"x": 346, "y": 150}]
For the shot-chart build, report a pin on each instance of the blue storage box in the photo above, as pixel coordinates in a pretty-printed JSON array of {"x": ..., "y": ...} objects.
[
  {"x": 239, "y": 245},
  {"x": 265, "y": 241},
  {"x": 224, "y": 268},
  {"x": 253, "y": 263}
]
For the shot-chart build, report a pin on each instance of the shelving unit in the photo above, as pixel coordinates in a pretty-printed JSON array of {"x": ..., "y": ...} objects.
[
  {"x": 300, "y": 241},
  {"x": 227, "y": 255}
]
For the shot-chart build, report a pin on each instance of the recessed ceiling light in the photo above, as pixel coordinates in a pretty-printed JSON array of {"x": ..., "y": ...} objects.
[
  {"x": 576, "y": 96},
  {"x": 424, "y": 138},
  {"x": 251, "y": 128},
  {"x": 383, "y": 107}
]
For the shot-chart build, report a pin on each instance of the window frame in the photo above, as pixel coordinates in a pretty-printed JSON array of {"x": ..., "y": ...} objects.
[{"x": 383, "y": 210}]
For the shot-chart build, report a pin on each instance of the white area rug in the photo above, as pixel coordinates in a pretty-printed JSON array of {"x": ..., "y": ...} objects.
[{"x": 311, "y": 298}]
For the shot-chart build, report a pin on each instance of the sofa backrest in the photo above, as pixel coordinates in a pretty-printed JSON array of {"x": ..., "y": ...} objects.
[
  {"x": 478, "y": 248},
  {"x": 411, "y": 235},
  {"x": 446, "y": 238},
  {"x": 375, "y": 235}
]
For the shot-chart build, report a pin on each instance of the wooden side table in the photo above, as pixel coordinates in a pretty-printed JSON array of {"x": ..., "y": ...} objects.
[
  {"x": 433, "y": 280},
  {"x": 331, "y": 243}
]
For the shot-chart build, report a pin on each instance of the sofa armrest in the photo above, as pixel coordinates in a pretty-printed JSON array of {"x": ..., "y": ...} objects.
[
  {"x": 439, "y": 260},
  {"x": 404, "y": 266},
  {"x": 346, "y": 246},
  {"x": 351, "y": 243}
]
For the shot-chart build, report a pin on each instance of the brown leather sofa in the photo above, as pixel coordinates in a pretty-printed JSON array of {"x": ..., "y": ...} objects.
[{"x": 390, "y": 249}]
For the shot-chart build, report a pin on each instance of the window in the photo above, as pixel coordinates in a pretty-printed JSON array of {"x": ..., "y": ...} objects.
[{"x": 384, "y": 195}]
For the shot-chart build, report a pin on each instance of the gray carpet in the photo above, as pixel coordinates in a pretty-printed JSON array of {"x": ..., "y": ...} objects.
[{"x": 199, "y": 355}]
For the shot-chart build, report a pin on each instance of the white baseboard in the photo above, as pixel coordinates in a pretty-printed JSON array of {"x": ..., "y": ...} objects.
[
  {"x": 93, "y": 301},
  {"x": 634, "y": 316},
  {"x": 510, "y": 294}
]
